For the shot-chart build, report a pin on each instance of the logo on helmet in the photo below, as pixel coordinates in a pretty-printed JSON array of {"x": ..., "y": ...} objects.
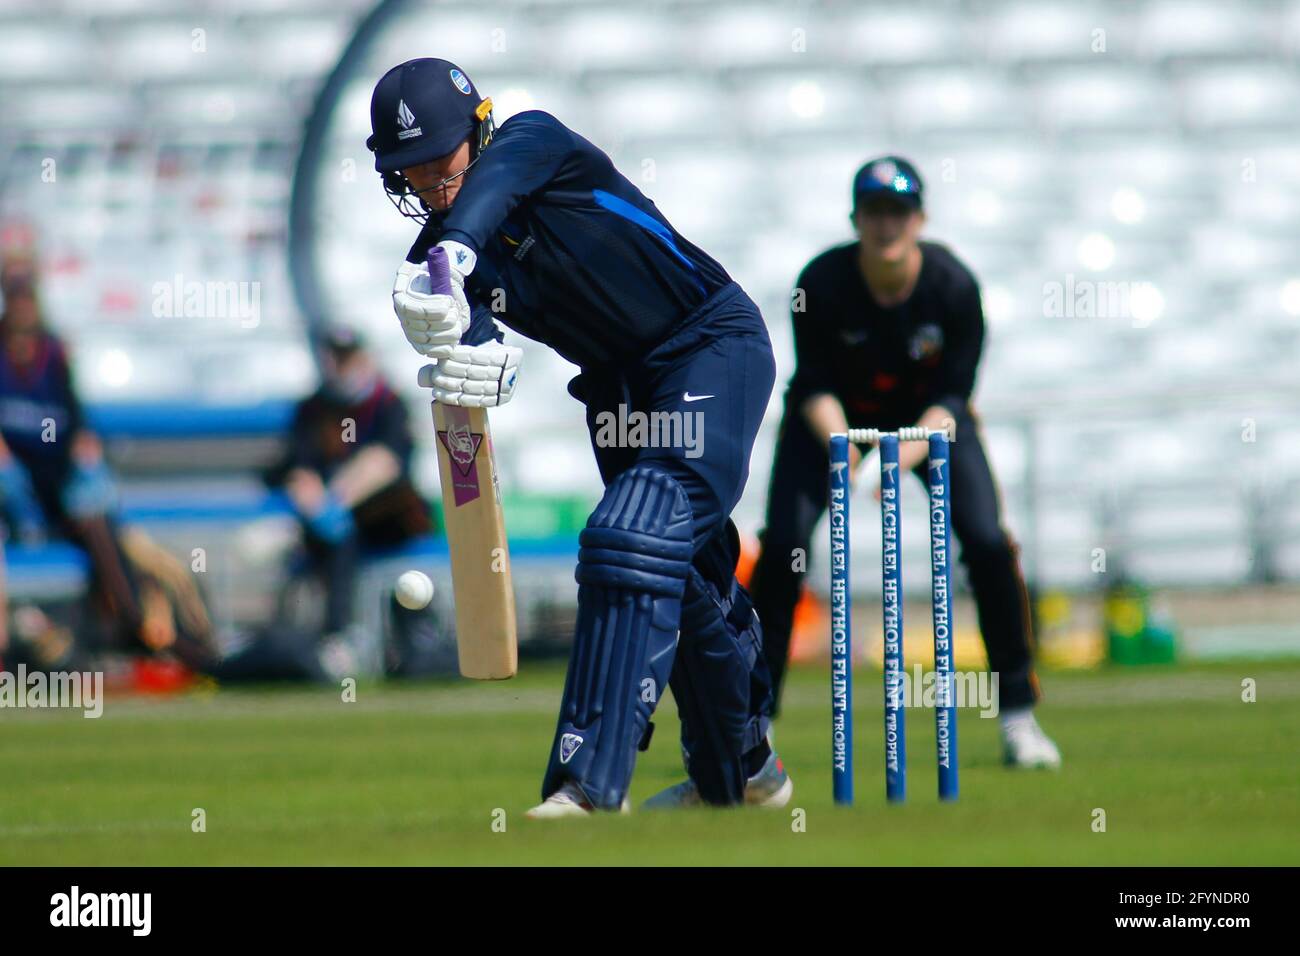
[
  {"x": 461, "y": 81},
  {"x": 406, "y": 120}
]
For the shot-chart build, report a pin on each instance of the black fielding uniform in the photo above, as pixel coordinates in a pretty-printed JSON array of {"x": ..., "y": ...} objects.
[{"x": 887, "y": 366}]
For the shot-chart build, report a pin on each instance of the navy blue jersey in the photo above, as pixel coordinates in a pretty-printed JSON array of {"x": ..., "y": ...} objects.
[
  {"x": 570, "y": 253},
  {"x": 34, "y": 395}
]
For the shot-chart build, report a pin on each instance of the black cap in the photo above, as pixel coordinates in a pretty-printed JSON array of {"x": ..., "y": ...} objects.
[
  {"x": 420, "y": 110},
  {"x": 888, "y": 176},
  {"x": 340, "y": 339}
]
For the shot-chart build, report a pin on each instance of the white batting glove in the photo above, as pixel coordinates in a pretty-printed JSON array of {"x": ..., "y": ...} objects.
[
  {"x": 433, "y": 322},
  {"x": 474, "y": 376}
]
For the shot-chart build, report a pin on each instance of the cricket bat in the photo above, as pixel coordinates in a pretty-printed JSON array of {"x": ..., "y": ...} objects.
[{"x": 483, "y": 591}]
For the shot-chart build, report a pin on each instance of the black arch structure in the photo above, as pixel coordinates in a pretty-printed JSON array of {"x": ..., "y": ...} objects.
[{"x": 304, "y": 270}]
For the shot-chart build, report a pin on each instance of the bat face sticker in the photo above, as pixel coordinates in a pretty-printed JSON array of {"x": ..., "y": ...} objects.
[{"x": 460, "y": 445}]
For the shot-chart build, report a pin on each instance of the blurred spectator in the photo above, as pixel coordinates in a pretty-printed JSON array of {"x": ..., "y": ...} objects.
[
  {"x": 347, "y": 471},
  {"x": 51, "y": 466},
  {"x": 4, "y": 608},
  {"x": 53, "y": 478},
  {"x": 54, "y": 481}
]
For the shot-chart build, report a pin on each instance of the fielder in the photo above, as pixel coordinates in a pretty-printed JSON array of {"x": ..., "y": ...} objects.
[
  {"x": 888, "y": 333},
  {"x": 546, "y": 236}
]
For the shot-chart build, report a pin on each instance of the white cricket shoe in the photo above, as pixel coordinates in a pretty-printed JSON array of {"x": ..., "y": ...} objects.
[
  {"x": 1024, "y": 744},
  {"x": 568, "y": 801},
  {"x": 770, "y": 787}
]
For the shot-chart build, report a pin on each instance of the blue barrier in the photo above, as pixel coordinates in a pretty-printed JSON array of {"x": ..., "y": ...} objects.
[{"x": 170, "y": 420}]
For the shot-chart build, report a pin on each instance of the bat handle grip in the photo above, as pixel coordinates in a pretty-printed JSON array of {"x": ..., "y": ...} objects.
[{"x": 439, "y": 271}]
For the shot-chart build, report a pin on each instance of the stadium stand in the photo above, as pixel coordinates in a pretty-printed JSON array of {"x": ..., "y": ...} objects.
[{"x": 1156, "y": 159}]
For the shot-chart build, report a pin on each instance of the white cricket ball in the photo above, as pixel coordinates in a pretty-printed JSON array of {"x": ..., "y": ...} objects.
[{"x": 414, "y": 590}]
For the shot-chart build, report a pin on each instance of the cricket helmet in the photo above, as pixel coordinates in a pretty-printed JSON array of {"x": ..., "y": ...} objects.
[{"x": 421, "y": 110}]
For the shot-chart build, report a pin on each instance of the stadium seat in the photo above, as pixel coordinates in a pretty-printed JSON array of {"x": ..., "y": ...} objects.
[
  {"x": 1167, "y": 30},
  {"x": 968, "y": 103},
  {"x": 1105, "y": 98},
  {"x": 1053, "y": 33},
  {"x": 1255, "y": 96}
]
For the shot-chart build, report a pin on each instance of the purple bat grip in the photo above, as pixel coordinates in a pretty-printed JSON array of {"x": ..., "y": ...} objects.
[{"x": 439, "y": 272}]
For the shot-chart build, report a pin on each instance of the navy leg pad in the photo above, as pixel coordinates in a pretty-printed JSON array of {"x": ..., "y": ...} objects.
[
  {"x": 634, "y": 557},
  {"x": 720, "y": 684}
]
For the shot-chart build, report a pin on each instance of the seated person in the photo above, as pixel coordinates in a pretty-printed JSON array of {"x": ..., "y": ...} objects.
[
  {"x": 53, "y": 478},
  {"x": 346, "y": 471}
]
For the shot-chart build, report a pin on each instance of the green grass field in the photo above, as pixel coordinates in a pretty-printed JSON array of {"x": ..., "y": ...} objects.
[{"x": 1186, "y": 772}]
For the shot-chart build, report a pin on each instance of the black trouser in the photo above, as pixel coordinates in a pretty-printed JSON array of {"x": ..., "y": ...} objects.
[
  {"x": 336, "y": 562},
  {"x": 388, "y": 518},
  {"x": 795, "y": 503}
]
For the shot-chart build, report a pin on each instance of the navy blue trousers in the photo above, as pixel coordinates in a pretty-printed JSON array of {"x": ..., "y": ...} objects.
[{"x": 711, "y": 381}]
